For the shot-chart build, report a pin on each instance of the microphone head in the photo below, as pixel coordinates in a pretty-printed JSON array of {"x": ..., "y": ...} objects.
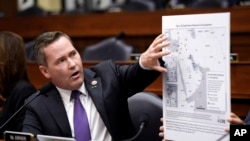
[
  {"x": 144, "y": 118},
  {"x": 46, "y": 88},
  {"x": 121, "y": 35}
]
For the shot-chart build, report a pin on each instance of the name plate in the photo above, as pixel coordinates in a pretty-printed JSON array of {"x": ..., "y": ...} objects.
[{"x": 18, "y": 136}]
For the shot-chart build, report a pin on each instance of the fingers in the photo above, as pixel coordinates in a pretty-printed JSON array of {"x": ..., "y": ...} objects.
[
  {"x": 149, "y": 58},
  {"x": 233, "y": 115},
  {"x": 159, "y": 39},
  {"x": 234, "y": 119},
  {"x": 160, "y": 69},
  {"x": 159, "y": 36},
  {"x": 161, "y": 128},
  {"x": 157, "y": 46},
  {"x": 161, "y": 54},
  {"x": 227, "y": 129},
  {"x": 159, "y": 43},
  {"x": 161, "y": 133}
]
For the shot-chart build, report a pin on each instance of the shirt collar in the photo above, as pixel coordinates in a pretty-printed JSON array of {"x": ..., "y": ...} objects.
[{"x": 65, "y": 94}]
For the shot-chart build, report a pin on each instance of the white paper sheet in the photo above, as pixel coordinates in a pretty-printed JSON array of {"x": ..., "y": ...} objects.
[{"x": 196, "y": 88}]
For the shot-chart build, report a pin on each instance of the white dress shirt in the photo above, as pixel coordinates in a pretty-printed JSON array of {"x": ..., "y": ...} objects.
[{"x": 98, "y": 129}]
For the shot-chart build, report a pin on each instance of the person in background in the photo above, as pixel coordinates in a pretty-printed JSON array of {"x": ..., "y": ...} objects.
[
  {"x": 14, "y": 84},
  {"x": 103, "y": 88},
  {"x": 236, "y": 120}
]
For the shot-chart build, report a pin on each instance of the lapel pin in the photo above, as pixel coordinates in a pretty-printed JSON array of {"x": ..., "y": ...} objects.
[{"x": 93, "y": 83}]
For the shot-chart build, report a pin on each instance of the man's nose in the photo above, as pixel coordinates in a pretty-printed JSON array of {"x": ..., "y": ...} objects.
[{"x": 72, "y": 63}]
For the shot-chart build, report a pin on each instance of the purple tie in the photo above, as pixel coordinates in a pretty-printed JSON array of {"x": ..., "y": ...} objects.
[{"x": 81, "y": 125}]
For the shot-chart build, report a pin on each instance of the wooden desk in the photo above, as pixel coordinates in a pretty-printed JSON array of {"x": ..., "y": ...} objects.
[{"x": 140, "y": 27}]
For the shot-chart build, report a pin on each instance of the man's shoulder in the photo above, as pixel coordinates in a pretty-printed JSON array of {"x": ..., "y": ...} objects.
[{"x": 106, "y": 62}]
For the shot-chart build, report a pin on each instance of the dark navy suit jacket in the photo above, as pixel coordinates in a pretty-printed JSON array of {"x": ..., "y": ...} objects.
[
  {"x": 115, "y": 83},
  {"x": 247, "y": 119}
]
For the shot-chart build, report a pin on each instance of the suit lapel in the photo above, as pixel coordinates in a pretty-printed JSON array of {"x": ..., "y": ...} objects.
[
  {"x": 56, "y": 108},
  {"x": 94, "y": 88}
]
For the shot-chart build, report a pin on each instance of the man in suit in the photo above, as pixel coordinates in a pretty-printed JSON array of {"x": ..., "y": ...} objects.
[{"x": 105, "y": 89}]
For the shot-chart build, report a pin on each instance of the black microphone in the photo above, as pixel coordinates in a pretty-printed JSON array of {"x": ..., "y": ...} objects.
[
  {"x": 120, "y": 36},
  {"x": 222, "y": 137},
  {"x": 42, "y": 90},
  {"x": 143, "y": 120}
]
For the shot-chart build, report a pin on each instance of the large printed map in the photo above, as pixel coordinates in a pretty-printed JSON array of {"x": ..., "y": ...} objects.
[
  {"x": 197, "y": 63},
  {"x": 196, "y": 87}
]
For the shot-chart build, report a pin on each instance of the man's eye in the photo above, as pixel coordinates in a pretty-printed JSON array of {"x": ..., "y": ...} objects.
[
  {"x": 61, "y": 60},
  {"x": 73, "y": 54}
]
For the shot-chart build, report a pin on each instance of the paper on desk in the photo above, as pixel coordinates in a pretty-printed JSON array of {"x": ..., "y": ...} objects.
[{"x": 196, "y": 88}]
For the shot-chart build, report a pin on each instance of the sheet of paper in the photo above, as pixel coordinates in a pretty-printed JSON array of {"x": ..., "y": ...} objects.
[{"x": 196, "y": 88}]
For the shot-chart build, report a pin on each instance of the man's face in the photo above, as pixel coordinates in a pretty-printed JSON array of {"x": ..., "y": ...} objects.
[{"x": 64, "y": 64}]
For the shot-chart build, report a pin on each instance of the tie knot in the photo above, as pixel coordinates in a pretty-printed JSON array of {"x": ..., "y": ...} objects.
[{"x": 75, "y": 94}]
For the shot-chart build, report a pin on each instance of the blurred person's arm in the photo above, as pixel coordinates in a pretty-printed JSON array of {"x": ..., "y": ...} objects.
[{"x": 235, "y": 120}]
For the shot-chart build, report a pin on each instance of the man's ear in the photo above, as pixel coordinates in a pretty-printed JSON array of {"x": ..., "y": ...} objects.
[{"x": 44, "y": 70}]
